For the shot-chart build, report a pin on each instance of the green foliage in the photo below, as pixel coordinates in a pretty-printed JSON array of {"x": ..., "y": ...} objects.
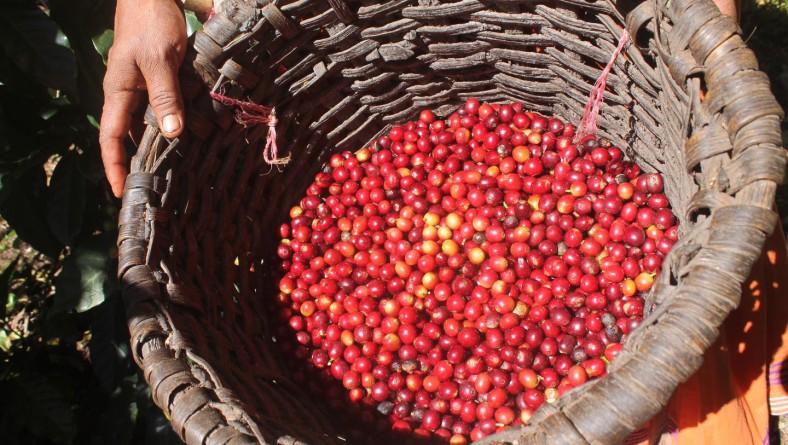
[
  {"x": 23, "y": 205},
  {"x": 42, "y": 404},
  {"x": 86, "y": 279},
  {"x": 192, "y": 23},
  {"x": 66, "y": 200},
  {"x": 764, "y": 24},
  {"x": 68, "y": 376},
  {"x": 38, "y": 46},
  {"x": 5, "y": 278},
  {"x": 103, "y": 42}
]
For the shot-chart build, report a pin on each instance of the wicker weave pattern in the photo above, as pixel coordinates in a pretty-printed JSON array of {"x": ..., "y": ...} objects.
[{"x": 199, "y": 214}]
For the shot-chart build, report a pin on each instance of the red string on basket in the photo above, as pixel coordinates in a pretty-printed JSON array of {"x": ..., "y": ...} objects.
[
  {"x": 249, "y": 114},
  {"x": 588, "y": 124}
]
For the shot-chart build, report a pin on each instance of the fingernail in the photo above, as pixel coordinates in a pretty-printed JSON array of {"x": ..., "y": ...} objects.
[{"x": 170, "y": 123}]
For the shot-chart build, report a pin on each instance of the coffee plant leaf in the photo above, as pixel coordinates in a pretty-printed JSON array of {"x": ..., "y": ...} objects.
[
  {"x": 41, "y": 405},
  {"x": 37, "y": 45},
  {"x": 66, "y": 202},
  {"x": 85, "y": 281}
]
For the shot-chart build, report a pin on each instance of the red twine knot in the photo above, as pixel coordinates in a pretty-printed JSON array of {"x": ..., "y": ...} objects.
[
  {"x": 588, "y": 125},
  {"x": 249, "y": 114}
]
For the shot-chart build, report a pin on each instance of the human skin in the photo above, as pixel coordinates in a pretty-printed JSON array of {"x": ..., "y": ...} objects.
[{"x": 150, "y": 42}]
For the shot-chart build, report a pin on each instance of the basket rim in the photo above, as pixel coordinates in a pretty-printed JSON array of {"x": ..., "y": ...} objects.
[{"x": 747, "y": 207}]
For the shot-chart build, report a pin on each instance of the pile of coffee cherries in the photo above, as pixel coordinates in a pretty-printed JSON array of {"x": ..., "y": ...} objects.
[{"x": 459, "y": 273}]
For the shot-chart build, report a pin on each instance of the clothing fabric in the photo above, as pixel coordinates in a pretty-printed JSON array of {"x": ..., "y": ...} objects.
[{"x": 744, "y": 374}]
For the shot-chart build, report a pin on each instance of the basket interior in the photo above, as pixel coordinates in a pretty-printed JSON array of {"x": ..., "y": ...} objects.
[{"x": 338, "y": 76}]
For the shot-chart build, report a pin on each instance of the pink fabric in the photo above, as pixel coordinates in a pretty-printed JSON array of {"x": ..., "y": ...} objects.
[
  {"x": 588, "y": 124},
  {"x": 250, "y": 114}
]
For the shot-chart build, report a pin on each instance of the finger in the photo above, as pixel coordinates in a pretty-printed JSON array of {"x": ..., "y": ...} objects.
[
  {"x": 115, "y": 125},
  {"x": 138, "y": 124},
  {"x": 164, "y": 93},
  {"x": 119, "y": 103}
]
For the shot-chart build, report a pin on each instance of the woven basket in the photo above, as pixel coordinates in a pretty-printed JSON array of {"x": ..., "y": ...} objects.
[{"x": 200, "y": 213}]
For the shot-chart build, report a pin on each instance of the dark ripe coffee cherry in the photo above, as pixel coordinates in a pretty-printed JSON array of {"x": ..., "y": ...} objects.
[
  {"x": 549, "y": 347},
  {"x": 594, "y": 348},
  {"x": 639, "y": 198},
  {"x": 560, "y": 316},
  {"x": 567, "y": 344},
  {"x": 600, "y": 156},
  {"x": 595, "y": 367},
  {"x": 380, "y": 392},
  {"x": 549, "y": 158},
  {"x": 613, "y": 333},
  {"x": 664, "y": 245},
  {"x": 631, "y": 267},
  {"x": 471, "y": 107},
  {"x": 555, "y": 126},
  {"x": 593, "y": 322},
  {"x": 631, "y": 170},
  {"x": 550, "y": 329},
  {"x": 658, "y": 201},
  {"x": 634, "y": 236},
  {"x": 649, "y": 246},
  {"x": 664, "y": 219},
  {"x": 533, "y": 398},
  {"x": 652, "y": 263},
  {"x": 577, "y": 327},
  {"x": 468, "y": 337},
  {"x": 430, "y": 420},
  {"x": 549, "y": 378},
  {"x": 462, "y": 430},
  {"x": 562, "y": 364},
  {"x": 578, "y": 355},
  {"x": 654, "y": 183},
  {"x": 540, "y": 362},
  {"x": 506, "y": 113}
]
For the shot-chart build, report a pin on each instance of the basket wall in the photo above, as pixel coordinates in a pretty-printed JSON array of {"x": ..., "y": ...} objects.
[{"x": 199, "y": 215}]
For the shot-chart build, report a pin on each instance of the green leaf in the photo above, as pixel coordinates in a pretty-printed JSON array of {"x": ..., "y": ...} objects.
[
  {"x": 62, "y": 326},
  {"x": 109, "y": 417},
  {"x": 37, "y": 45},
  {"x": 92, "y": 168},
  {"x": 103, "y": 42},
  {"x": 3, "y": 128},
  {"x": 158, "y": 430},
  {"x": 36, "y": 126},
  {"x": 41, "y": 406},
  {"x": 193, "y": 24},
  {"x": 23, "y": 205},
  {"x": 108, "y": 342},
  {"x": 93, "y": 122},
  {"x": 85, "y": 280},
  {"x": 66, "y": 202},
  {"x": 117, "y": 422},
  {"x": 86, "y": 23},
  {"x": 5, "y": 279},
  {"x": 5, "y": 341}
]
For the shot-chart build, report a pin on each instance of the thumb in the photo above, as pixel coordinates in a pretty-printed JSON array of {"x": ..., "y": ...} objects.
[{"x": 164, "y": 94}]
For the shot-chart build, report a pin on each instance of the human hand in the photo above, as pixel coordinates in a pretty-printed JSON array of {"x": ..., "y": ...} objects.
[{"x": 150, "y": 43}]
